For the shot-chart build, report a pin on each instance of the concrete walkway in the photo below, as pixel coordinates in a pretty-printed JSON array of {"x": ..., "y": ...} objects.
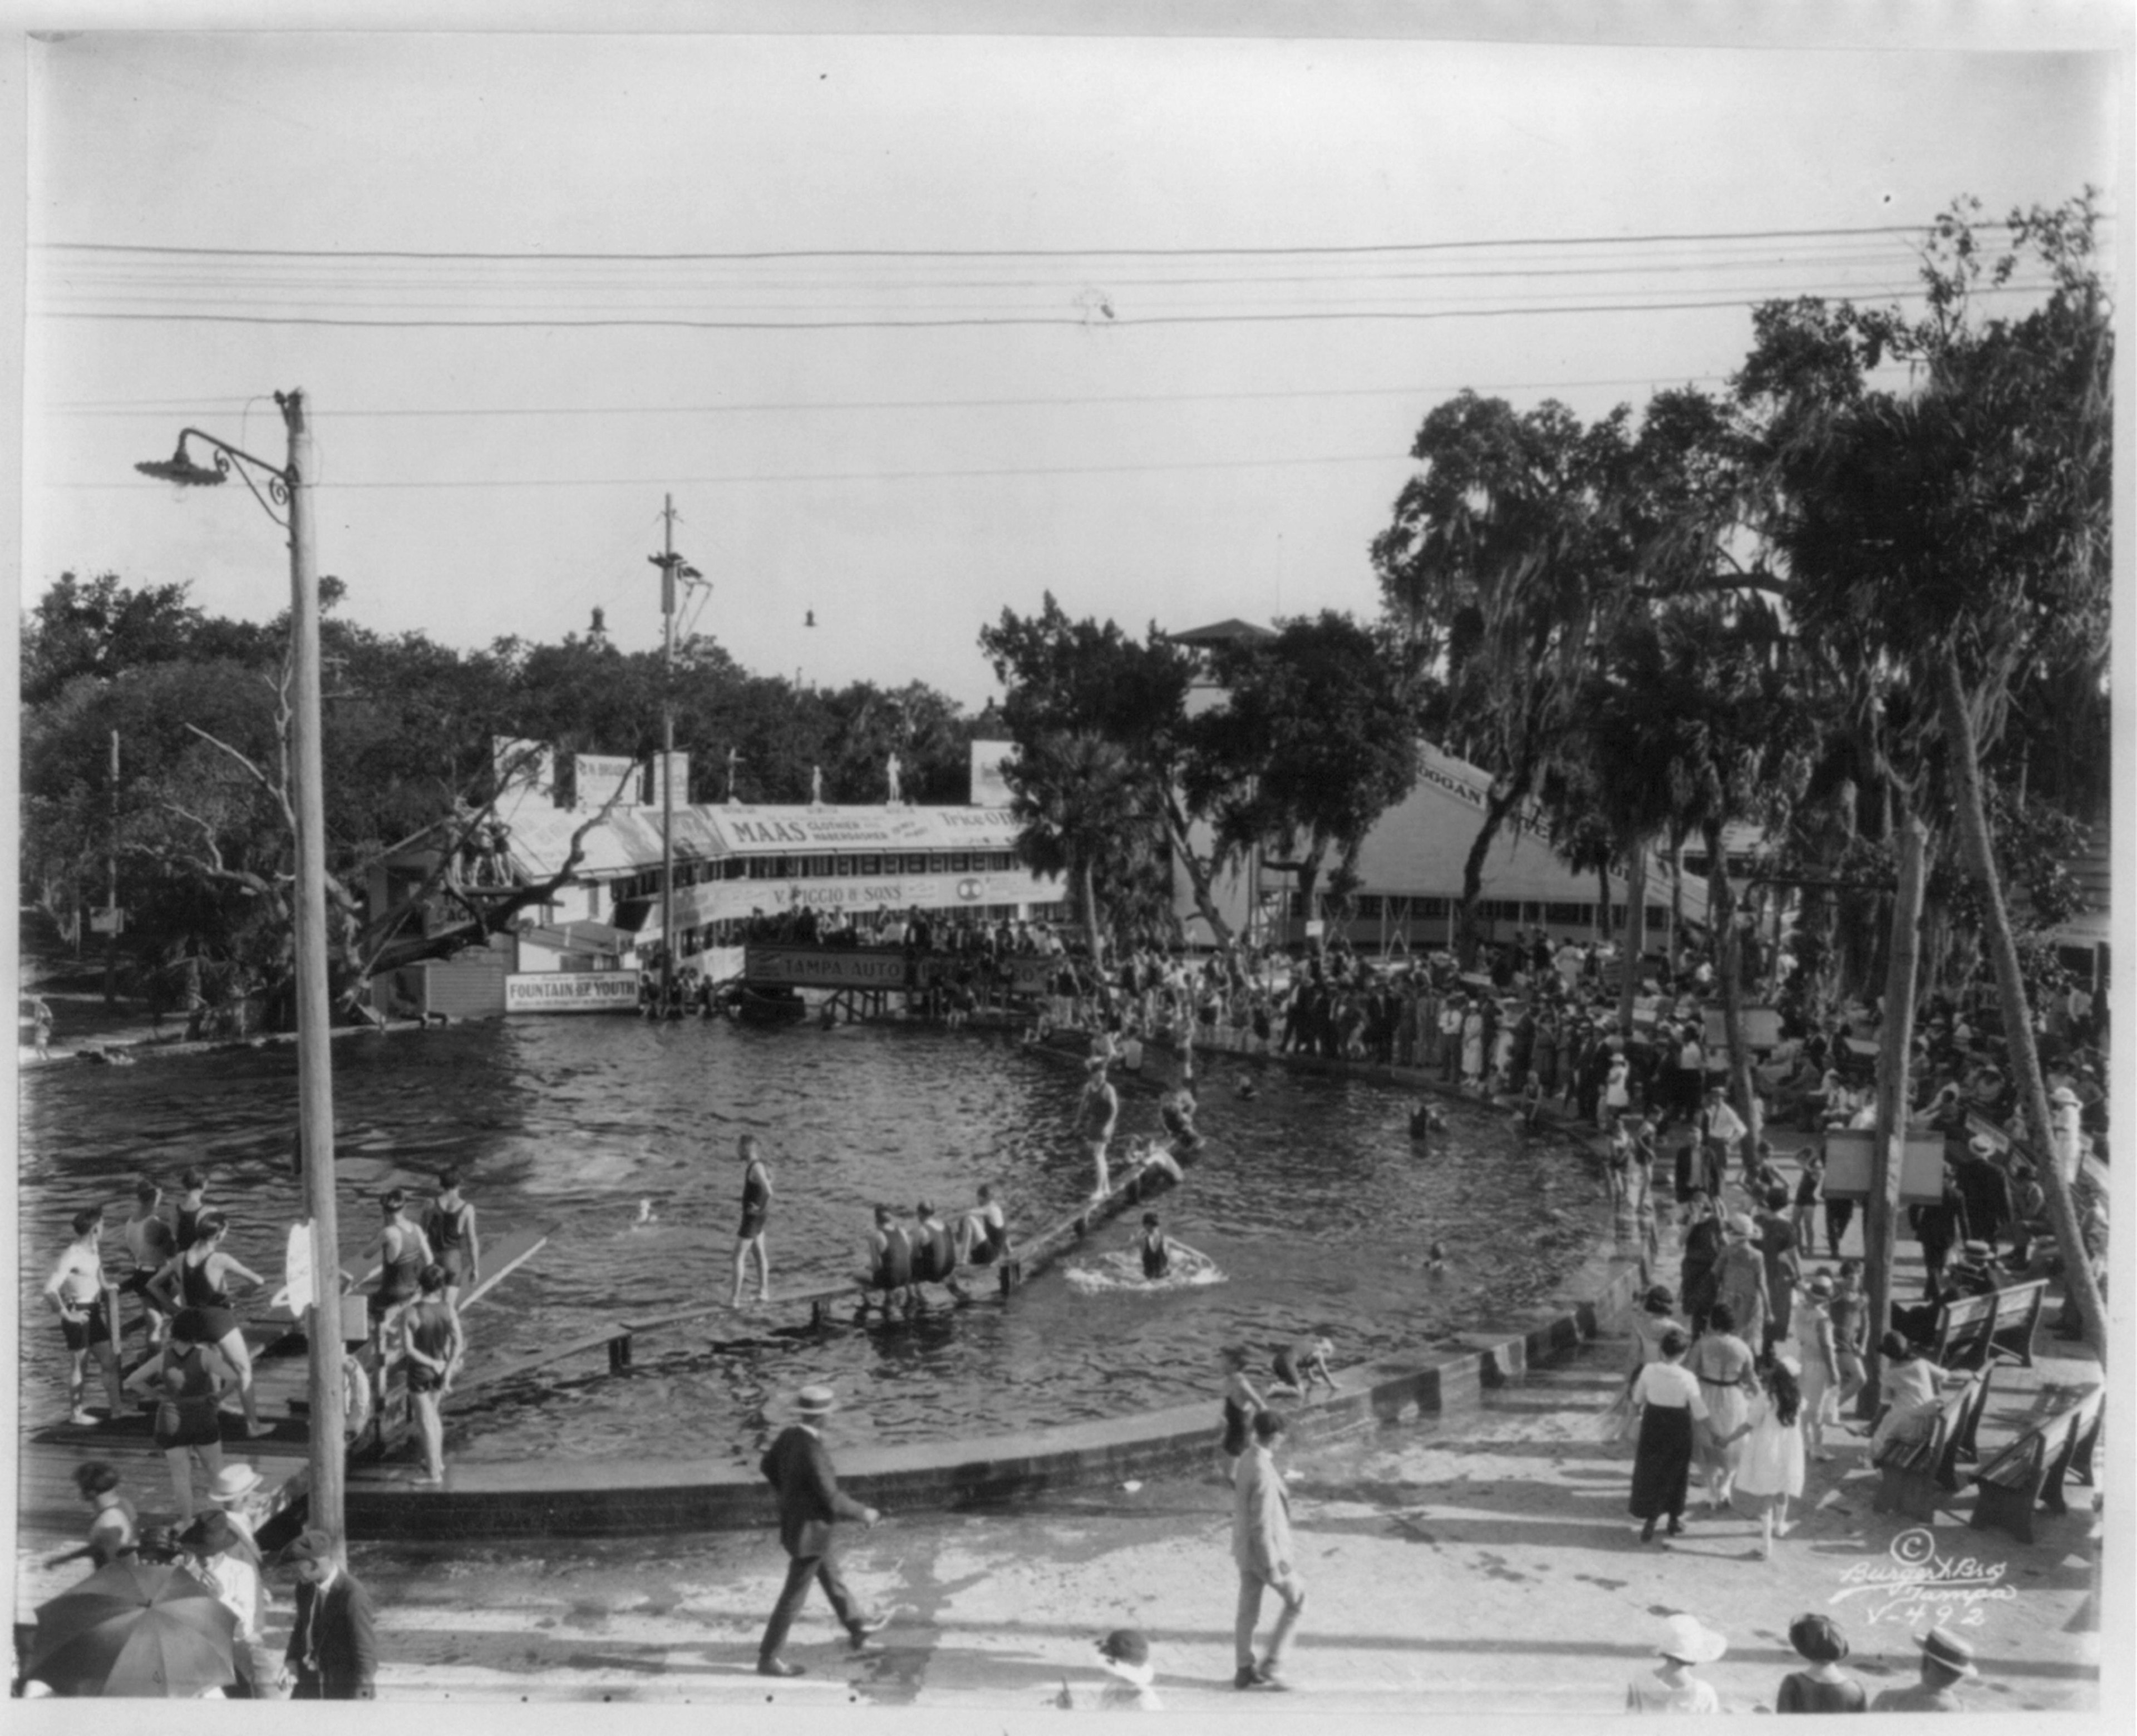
[{"x": 1482, "y": 1562}]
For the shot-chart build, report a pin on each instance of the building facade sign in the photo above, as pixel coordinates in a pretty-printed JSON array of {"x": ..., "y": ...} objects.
[
  {"x": 570, "y": 991},
  {"x": 597, "y": 774},
  {"x": 718, "y": 900},
  {"x": 815, "y": 967},
  {"x": 848, "y": 829}
]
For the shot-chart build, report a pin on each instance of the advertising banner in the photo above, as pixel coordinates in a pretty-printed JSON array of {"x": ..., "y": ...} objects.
[
  {"x": 522, "y": 764},
  {"x": 598, "y": 774},
  {"x": 572, "y": 991},
  {"x": 1848, "y": 1166},
  {"x": 718, "y": 901},
  {"x": 680, "y": 764},
  {"x": 809, "y": 967},
  {"x": 809, "y": 830}
]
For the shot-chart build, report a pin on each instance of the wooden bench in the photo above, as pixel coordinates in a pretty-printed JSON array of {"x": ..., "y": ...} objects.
[
  {"x": 2029, "y": 1473},
  {"x": 1917, "y": 1476},
  {"x": 1977, "y": 1331}
]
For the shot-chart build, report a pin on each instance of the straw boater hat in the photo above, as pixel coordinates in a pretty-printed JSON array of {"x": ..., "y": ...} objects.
[
  {"x": 1127, "y": 1653},
  {"x": 1742, "y": 1223},
  {"x": 1690, "y": 1643},
  {"x": 1949, "y": 1650},
  {"x": 814, "y": 1401},
  {"x": 233, "y": 1483},
  {"x": 1981, "y": 1145},
  {"x": 2061, "y": 1094}
]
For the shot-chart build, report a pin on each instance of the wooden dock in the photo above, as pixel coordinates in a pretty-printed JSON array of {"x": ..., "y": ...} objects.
[{"x": 51, "y": 1516}]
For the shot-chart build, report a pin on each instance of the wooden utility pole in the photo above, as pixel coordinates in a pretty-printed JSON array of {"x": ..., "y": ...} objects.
[
  {"x": 111, "y": 888},
  {"x": 668, "y": 563},
  {"x": 314, "y": 1058}
]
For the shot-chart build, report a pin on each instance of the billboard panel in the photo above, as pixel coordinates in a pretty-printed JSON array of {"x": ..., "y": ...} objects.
[{"x": 570, "y": 991}]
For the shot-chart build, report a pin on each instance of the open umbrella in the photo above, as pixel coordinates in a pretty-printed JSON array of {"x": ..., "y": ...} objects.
[{"x": 134, "y": 1628}]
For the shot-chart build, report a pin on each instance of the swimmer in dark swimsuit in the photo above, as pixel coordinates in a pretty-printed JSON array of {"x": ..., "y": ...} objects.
[
  {"x": 890, "y": 1270},
  {"x": 196, "y": 1281},
  {"x": 934, "y": 1250},
  {"x": 192, "y": 1203},
  {"x": 450, "y": 1229},
  {"x": 1241, "y": 1401},
  {"x": 1156, "y": 1251},
  {"x": 983, "y": 1232},
  {"x": 403, "y": 1252},
  {"x": 756, "y": 1209},
  {"x": 430, "y": 1341}
]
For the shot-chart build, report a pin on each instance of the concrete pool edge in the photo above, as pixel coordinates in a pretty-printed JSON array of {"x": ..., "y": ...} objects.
[{"x": 577, "y": 1498}]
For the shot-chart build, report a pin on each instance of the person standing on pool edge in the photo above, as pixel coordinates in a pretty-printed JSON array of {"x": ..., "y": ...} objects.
[
  {"x": 77, "y": 1290},
  {"x": 810, "y": 1505},
  {"x": 1097, "y": 1112},
  {"x": 450, "y": 1228},
  {"x": 756, "y": 1208}
]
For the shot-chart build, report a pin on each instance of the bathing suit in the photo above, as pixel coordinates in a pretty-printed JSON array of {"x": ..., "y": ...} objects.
[
  {"x": 755, "y": 1204},
  {"x": 1286, "y": 1364},
  {"x": 1156, "y": 1259},
  {"x": 936, "y": 1258},
  {"x": 188, "y": 1417},
  {"x": 450, "y": 1241},
  {"x": 1237, "y": 1416},
  {"x": 993, "y": 1245},
  {"x": 894, "y": 1264},
  {"x": 398, "y": 1283},
  {"x": 433, "y": 1334},
  {"x": 206, "y": 1295},
  {"x": 189, "y": 1217}
]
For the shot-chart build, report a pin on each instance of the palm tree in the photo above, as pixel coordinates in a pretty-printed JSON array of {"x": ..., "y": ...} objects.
[{"x": 1082, "y": 808}]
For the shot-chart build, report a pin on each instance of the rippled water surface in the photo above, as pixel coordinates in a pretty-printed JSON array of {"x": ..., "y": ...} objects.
[{"x": 1310, "y": 1196}]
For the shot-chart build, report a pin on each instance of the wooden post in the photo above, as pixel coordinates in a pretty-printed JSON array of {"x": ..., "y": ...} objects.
[{"x": 1880, "y": 1214}]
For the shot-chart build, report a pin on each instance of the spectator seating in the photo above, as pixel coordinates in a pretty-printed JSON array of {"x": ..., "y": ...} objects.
[
  {"x": 2029, "y": 1473},
  {"x": 1918, "y": 1474}
]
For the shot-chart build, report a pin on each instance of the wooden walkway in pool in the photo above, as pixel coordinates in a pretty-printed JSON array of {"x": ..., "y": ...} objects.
[{"x": 51, "y": 1516}]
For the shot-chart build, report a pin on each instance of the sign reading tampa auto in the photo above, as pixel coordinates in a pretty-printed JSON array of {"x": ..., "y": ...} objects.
[
  {"x": 807, "y": 967},
  {"x": 572, "y": 991}
]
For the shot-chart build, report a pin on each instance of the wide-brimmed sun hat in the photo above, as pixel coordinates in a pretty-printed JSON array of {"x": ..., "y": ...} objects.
[{"x": 1689, "y": 1642}]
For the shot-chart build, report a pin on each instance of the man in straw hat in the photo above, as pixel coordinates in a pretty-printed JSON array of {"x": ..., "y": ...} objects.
[
  {"x": 1124, "y": 1654},
  {"x": 810, "y": 1505},
  {"x": 1670, "y": 1686},
  {"x": 1947, "y": 1661}
]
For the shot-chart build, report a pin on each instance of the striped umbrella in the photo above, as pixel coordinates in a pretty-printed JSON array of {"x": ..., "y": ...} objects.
[{"x": 135, "y": 1628}]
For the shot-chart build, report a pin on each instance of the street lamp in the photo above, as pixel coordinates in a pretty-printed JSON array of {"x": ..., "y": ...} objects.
[{"x": 289, "y": 487}]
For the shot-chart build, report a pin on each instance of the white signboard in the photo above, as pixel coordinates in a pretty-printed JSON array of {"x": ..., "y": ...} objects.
[
  {"x": 296, "y": 1293},
  {"x": 599, "y": 774},
  {"x": 1848, "y": 1166},
  {"x": 718, "y": 901},
  {"x": 810, "y": 967},
  {"x": 990, "y": 785},
  {"x": 570, "y": 991},
  {"x": 680, "y": 762}
]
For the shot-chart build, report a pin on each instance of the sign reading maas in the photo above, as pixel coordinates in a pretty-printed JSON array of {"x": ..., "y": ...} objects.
[{"x": 570, "y": 991}]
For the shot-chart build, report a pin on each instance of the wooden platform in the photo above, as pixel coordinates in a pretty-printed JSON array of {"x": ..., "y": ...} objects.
[{"x": 50, "y": 1514}]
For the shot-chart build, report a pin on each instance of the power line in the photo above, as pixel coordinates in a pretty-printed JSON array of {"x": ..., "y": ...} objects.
[{"x": 1352, "y": 249}]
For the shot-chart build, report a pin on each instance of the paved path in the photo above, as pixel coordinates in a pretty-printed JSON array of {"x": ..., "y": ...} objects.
[{"x": 1481, "y": 1563}]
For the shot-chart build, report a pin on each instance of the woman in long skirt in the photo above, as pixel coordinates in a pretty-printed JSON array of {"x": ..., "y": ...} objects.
[
  {"x": 1722, "y": 1364},
  {"x": 1740, "y": 1280},
  {"x": 1670, "y": 1406}
]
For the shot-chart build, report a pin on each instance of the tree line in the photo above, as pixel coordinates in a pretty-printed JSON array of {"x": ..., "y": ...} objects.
[{"x": 1856, "y": 603}]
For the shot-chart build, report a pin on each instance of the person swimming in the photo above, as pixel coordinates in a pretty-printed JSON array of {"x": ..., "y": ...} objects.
[
  {"x": 1156, "y": 1251},
  {"x": 1425, "y": 1121}
]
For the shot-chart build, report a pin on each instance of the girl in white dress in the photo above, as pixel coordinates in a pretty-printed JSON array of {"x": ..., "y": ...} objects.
[{"x": 1771, "y": 1469}]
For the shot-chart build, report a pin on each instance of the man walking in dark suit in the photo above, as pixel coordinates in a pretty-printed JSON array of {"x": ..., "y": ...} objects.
[
  {"x": 333, "y": 1653},
  {"x": 811, "y": 1504}
]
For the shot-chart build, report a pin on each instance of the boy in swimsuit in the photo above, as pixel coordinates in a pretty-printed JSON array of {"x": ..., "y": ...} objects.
[
  {"x": 76, "y": 1289},
  {"x": 890, "y": 1261},
  {"x": 1156, "y": 1251},
  {"x": 1097, "y": 1112},
  {"x": 150, "y": 1241},
  {"x": 983, "y": 1232},
  {"x": 192, "y": 1203},
  {"x": 934, "y": 1250},
  {"x": 1299, "y": 1366},
  {"x": 756, "y": 1209},
  {"x": 430, "y": 1341}
]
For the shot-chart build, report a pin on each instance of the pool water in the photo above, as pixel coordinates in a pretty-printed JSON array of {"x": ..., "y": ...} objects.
[{"x": 1310, "y": 1196}]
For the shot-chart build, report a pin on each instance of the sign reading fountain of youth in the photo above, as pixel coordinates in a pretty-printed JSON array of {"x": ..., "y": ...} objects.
[{"x": 570, "y": 991}]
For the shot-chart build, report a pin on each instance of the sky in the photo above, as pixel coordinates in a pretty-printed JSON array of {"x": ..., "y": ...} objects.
[{"x": 915, "y": 329}]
